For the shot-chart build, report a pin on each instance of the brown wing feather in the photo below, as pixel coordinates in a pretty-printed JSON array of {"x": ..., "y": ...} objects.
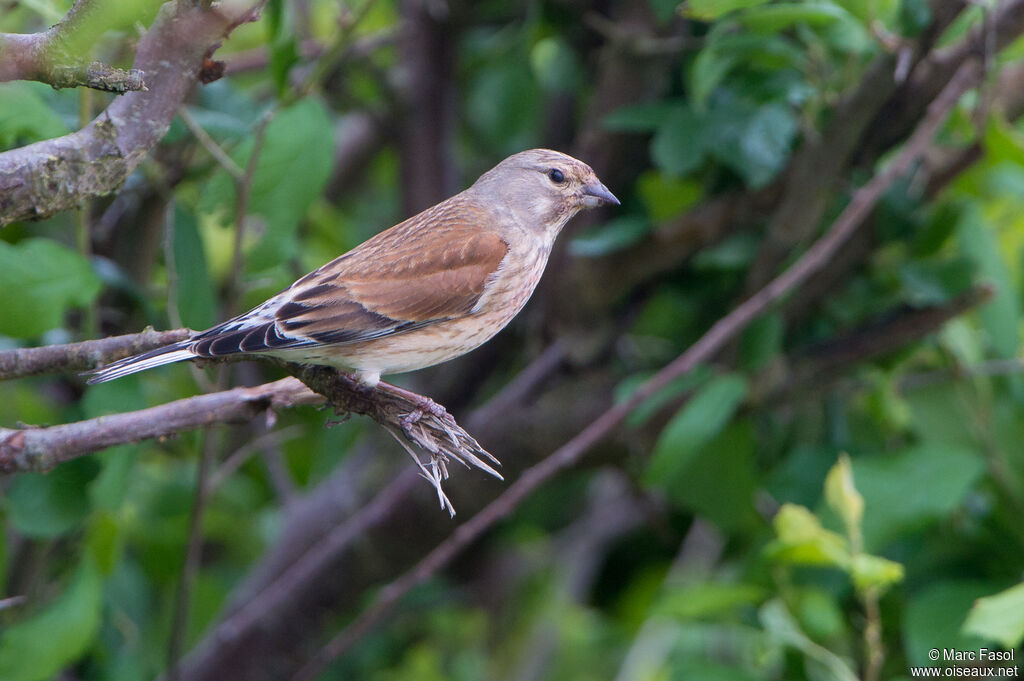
[{"x": 431, "y": 267}]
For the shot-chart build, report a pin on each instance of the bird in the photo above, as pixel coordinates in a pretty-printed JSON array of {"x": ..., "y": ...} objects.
[{"x": 423, "y": 292}]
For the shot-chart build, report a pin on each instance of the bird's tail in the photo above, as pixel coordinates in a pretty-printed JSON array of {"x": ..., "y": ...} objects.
[{"x": 175, "y": 352}]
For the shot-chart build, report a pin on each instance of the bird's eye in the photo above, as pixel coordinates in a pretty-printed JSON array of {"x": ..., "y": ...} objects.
[{"x": 556, "y": 176}]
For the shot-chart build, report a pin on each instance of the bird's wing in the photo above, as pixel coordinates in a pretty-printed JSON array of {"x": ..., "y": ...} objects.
[{"x": 430, "y": 268}]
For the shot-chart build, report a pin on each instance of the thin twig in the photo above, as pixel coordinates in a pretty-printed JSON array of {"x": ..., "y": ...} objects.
[
  {"x": 311, "y": 49},
  {"x": 237, "y": 458},
  {"x": 12, "y": 601},
  {"x": 724, "y": 330},
  {"x": 347, "y": 24},
  {"x": 243, "y": 188},
  {"x": 211, "y": 146},
  {"x": 193, "y": 555},
  {"x": 54, "y": 359}
]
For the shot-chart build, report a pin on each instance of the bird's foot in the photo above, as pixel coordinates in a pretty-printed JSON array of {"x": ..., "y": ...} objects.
[
  {"x": 428, "y": 406},
  {"x": 421, "y": 406}
]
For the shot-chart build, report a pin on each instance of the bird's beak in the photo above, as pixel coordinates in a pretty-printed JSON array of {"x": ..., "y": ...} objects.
[{"x": 596, "y": 194}]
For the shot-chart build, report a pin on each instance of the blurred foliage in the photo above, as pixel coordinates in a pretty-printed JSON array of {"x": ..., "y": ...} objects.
[{"x": 917, "y": 530}]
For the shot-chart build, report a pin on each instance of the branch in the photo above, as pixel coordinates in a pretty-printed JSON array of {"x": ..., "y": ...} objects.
[
  {"x": 55, "y": 55},
  {"x": 722, "y": 332},
  {"x": 53, "y": 359},
  {"x": 45, "y": 178},
  {"x": 40, "y": 449},
  {"x": 422, "y": 422},
  {"x": 816, "y": 366}
]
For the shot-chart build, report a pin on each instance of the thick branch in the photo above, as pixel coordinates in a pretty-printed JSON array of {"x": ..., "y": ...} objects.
[
  {"x": 53, "y": 359},
  {"x": 40, "y": 449},
  {"x": 47, "y": 177},
  {"x": 55, "y": 55}
]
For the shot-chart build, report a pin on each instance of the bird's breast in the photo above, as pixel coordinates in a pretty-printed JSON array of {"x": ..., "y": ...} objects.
[{"x": 513, "y": 283}]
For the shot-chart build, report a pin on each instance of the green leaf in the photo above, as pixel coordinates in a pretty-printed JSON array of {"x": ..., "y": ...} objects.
[
  {"x": 783, "y": 627},
  {"x": 284, "y": 54},
  {"x": 705, "y": 670},
  {"x": 1002, "y": 141},
  {"x": 819, "y": 613},
  {"x": 753, "y": 140},
  {"x": 646, "y": 117},
  {"x": 718, "y": 482},
  {"x": 667, "y": 197},
  {"x": 998, "y": 317},
  {"x": 842, "y": 495},
  {"x": 766, "y": 144},
  {"x": 937, "y": 412},
  {"x": 999, "y": 617},
  {"x": 555, "y": 65},
  {"x": 37, "y": 648},
  {"x": 25, "y": 117},
  {"x": 801, "y": 540},
  {"x": 762, "y": 340},
  {"x": 292, "y": 169},
  {"x": 195, "y": 292},
  {"x": 781, "y": 15},
  {"x": 797, "y": 478},
  {"x": 678, "y": 146},
  {"x": 110, "y": 488},
  {"x": 700, "y": 419},
  {"x": 934, "y": 615},
  {"x": 904, "y": 492},
  {"x": 874, "y": 572},
  {"x": 105, "y": 541},
  {"x": 937, "y": 230},
  {"x": 734, "y": 253},
  {"x": 609, "y": 237},
  {"x": 50, "y": 504},
  {"x": 709, "y": 10},
  {"x": 708, "y": 599},
  {"x": 41, "y": 280},
  {"x": 933, "y": 282},
  {"x": 709, "y": 69},
  {"x": 671, "y": 392},
  {"x": 914, "y": 17}
]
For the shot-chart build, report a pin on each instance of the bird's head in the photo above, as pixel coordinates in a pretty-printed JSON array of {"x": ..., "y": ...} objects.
[{"x": 545, "y": 188}]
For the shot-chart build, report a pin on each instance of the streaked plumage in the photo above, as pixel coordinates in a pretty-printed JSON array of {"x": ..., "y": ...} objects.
[{"x": 427, "y": 290}]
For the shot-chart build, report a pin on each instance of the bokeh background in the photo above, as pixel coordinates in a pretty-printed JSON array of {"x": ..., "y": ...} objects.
[{"x": 829, "y": 498}]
